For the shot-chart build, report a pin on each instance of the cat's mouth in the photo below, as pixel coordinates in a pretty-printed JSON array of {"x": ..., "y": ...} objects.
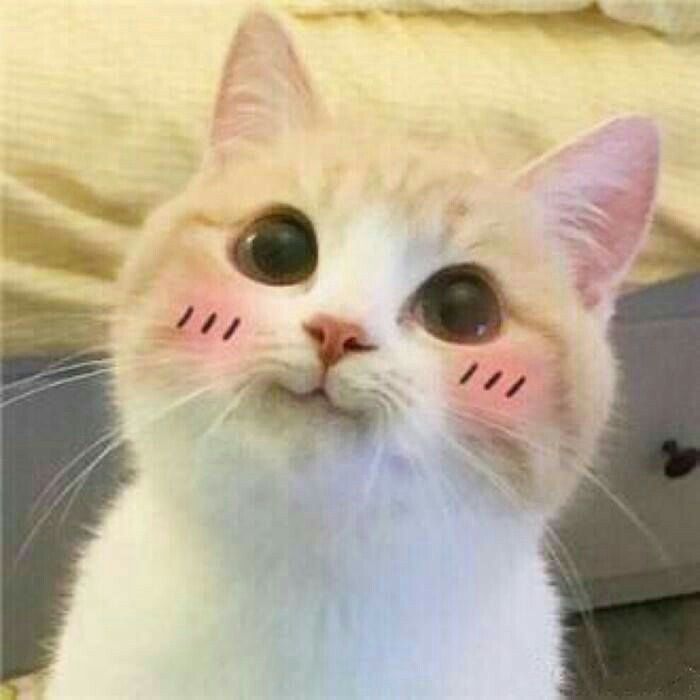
[
  {"x": 318, "y": 393},
  {"x": 318, "y": 399}
]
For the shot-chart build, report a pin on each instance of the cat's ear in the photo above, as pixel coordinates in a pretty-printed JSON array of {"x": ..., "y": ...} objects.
[
  {"x": 596, "y": 196},
  {"x": 264, "y": 90}
]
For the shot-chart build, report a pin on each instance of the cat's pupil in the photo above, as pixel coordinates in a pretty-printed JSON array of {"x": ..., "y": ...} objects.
[
  {"x": 459, "y": 306},
  {"x": 281, "y": 248},
  {"x": 278, "y": 249}
]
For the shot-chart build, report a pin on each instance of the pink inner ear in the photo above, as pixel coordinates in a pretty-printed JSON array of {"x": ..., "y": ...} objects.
[
  {"x": 596, "y": 196},
  {"x": 264, "y": 87}
]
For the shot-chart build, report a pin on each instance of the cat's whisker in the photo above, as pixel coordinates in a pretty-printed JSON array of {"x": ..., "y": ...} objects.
[
  {"x": 654, "y": 541},
  {"x": 572, "y": 577},
  {"x": 46, "y": 491},
  {"x": 82, "y": 478},
  {"x": 370, "y": 480},
  {"x": 441, "y": 493},
  {"x": 56, "y": 502},
  {"x": 249, "y": 383},
  {"x": 105, "y": 367},
  {"x": 396, "y": 383},
  {"x": 191, "y": 396},
  {"x": 567, "y": 567},
  {"x": 587, "y": 474},
  {"x": 51, "y": 373},
  {"x": 61, "y": 365},
  {"x": 574, "y": 582},
  {"x": 475, "y": 463},
  {"x": 470, "y": 457},
  {"x": 448, "y": 492},
  {"x": 384, "y": 392},
  {"x": 53, "y": 385}
]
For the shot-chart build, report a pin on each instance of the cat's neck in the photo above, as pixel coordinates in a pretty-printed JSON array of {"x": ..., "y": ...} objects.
[
  {"x": 400, "y": 593},
  {"x": 357, "y": 515}
]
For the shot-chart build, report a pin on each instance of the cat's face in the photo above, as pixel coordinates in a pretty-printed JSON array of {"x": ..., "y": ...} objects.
[{"x": 333, "y": 286}]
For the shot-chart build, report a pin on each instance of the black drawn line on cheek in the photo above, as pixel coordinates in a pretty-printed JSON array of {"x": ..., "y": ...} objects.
[
  {"x": 232, "y": 328},
  {"x": 209, "y": 323},
  {"x": 185, "y": 317},
  {"x": 493, "y": 380},
  {"x": 468, "y": 374},
  {"x": 516, "y": 387}
]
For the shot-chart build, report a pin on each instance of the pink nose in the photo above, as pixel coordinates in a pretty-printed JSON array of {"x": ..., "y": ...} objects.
[{"x": 335, "y": 337}]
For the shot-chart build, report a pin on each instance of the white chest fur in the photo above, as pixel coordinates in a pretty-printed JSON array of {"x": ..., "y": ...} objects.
[{"x": 272, "y": 597}]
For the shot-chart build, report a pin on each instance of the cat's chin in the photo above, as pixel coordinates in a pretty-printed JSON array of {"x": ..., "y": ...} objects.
[
  {"x": 318, "y": 399},
  {"x": 316, "y": 402}
]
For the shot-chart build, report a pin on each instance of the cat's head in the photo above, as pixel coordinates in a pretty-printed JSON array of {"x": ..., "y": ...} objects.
[{"x": 322, "y": 282}]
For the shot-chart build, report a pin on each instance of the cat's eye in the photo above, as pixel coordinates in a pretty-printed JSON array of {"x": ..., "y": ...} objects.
[
  {"x": 458, "y": 305},
  {"x": 278, "y": 248}
]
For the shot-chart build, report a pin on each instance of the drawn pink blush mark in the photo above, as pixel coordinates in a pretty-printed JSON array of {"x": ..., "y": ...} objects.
[
  {"x": 507, "y": 384},
  {"x": 212, "y": 320}
]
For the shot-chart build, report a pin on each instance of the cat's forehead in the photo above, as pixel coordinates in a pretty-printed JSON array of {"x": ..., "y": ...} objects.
[{"x": 369, "y": 186}]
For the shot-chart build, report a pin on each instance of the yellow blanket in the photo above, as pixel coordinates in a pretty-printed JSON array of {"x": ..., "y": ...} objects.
[
  {"x": 679, "y": 17},
  {"x": 107, "y": 103}
]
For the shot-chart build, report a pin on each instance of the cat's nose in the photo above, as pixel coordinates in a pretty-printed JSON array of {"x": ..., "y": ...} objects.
[{"x": 336, "y": 337}]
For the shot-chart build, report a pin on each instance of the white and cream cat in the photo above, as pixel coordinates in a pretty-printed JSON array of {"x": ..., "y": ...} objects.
[{"x": 357, "y": 381}]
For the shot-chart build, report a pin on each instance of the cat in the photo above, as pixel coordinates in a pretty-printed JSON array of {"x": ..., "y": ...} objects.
[{"x": 358, "y": 382}]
